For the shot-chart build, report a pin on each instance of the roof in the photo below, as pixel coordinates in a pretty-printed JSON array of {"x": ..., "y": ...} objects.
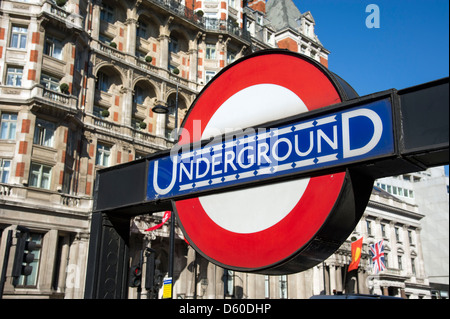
[{"x": 283, "y": 14}]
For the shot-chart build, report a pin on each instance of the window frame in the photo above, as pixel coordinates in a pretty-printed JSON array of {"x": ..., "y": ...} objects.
[
  {"x": 51, "y": 43},
  {"x": 3, "y": 169},
  {"x": 21, "y": 37},
  {"x": 50, "y": 82},
  {"x": 107, "y": 13},
  {"x": 42, "y": 129},
  {"x": 40, "y": 174},
  {"x": 210, "y": 51},
  {"x": 13, "y": 76},
  {"x": 101, "y": 151},
  {"x": 11, "y": 126}
]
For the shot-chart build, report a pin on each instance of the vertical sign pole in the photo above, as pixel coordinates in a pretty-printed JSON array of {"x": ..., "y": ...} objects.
[{"x": 172, "y": 247}]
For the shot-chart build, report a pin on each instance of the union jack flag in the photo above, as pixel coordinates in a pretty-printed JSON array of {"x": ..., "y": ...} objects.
[{"x": 377, "y": 253}]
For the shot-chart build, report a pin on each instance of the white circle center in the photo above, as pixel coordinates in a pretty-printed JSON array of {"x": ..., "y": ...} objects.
[{"x": 255, "y": 209}]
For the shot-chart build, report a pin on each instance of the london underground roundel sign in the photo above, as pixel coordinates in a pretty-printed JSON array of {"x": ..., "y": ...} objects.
[{"x": 284, "y": 227}]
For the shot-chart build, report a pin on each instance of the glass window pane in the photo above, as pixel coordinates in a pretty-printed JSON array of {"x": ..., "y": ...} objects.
[
  {"x": 23, "y": 42},
  {"x": 4, "y": 131},
  {"x": 105, "y": 159},
  {"x": 4, "y": 170},
  {"x": 34, "y": 175},
  {"x": 57, "y": 53},
  {"x": 15, "y": 41}
]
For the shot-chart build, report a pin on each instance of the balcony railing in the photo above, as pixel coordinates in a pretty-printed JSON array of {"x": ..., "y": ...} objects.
[
  {"x": 58, "y": 99},
  {"x": 37, "y": 196},
  {"x": 180, "y": 10},
  {"x": 71, "y": 19},
  {"x": 111, "y": 51}
]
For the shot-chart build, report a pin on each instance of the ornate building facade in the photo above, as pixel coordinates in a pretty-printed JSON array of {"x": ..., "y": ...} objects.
[{"x": 79, "y": 80}]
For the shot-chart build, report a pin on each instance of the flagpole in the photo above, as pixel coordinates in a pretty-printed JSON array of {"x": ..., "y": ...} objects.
[
  {"x": 345, "y": 278},
  {"x": 172, "y": 248}
]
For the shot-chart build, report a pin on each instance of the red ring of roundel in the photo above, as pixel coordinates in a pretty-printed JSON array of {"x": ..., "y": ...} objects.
[{"x": 281, "y": 241}]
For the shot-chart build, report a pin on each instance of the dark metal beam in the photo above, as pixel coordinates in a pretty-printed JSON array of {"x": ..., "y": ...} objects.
[{"x": 421, "y": 137}]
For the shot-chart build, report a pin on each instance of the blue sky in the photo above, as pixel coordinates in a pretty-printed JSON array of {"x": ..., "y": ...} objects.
[{"x": 410, "y": 47}]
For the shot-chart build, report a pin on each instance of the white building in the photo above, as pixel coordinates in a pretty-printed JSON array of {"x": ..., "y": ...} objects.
[{"x": 429, "y": 190}]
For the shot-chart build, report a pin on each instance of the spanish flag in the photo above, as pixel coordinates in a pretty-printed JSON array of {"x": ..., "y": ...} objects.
[{"x": 356, "y": 254}]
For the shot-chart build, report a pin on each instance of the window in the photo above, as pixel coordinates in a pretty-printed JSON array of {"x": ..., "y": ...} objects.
[
  {"x": 394, "y": 190},
  {"x": 78, "y": 60},
  {"x": 211, "y": 20},
  {"x": 107, "y": 13},
  {"x": 413, "y": 266},
  {"x": 139, "y": 95},
  {"x": 173, "y": 45},
  {"x": 102, "y": 83},
  {"x": 71, "y": 143},
  {"x": 8, "y": 126},
  {"x": 40, "y": 175},
  {"x": 386, "y": 259},
  {"x": 103, "y": 155},
  {"x": 67, "y": 181},
  {"x": 260, "y": 19},
  {"x": 383, "y": 230},
  {"x": 231, "y": 57},
  {"x": 101, "y": 112},
  {"x": 31, "y": 280},
  {"x": 283, "y": 287},
  {"x": 104, "y": 39},
  {"x": 369, "y": 227},
  {"x": 5, "y": 168},
  {"x": 53, "y": 47},
  {"x": 172, "y": 105},
  {"x": 307, "y": 29},
  {"x": 141, "y": 30},
  {"x": 400, "y": 262},
  {"x": 18, "y": 37},
  {"x": 229, "y": 282},
  {"x": 410, "y": 237},
  {"x": 397, "y": 234},
  {"x": 209, "y": 75},
  {"x": 43, "y": 133},
  {"x": 210, "y": 52},
  {"x": 14, "y": 76},
  {"x": 49, "y": 82}
]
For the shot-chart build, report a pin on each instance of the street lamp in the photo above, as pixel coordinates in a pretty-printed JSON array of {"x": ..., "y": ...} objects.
[{"x": 161, "y": 109}]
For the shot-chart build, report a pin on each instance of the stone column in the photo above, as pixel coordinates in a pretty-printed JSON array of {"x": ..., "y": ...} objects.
[
  {"x": 317, "y": 279},
  {"x": 339, "y": 286},
  {"x": 95, "y": 22},
  {"x": 193, "y": 61},
  {"x": 332, "y": 278},
  {"x": 127, "y": 105},
  {"x": 164, "y": 51},
  {"x": 131, "y": 24},
  {"x": 63, "y": 267}
]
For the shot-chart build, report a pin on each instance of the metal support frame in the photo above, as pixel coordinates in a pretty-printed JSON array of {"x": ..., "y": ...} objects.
[{"x": 421, "y": 132}]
